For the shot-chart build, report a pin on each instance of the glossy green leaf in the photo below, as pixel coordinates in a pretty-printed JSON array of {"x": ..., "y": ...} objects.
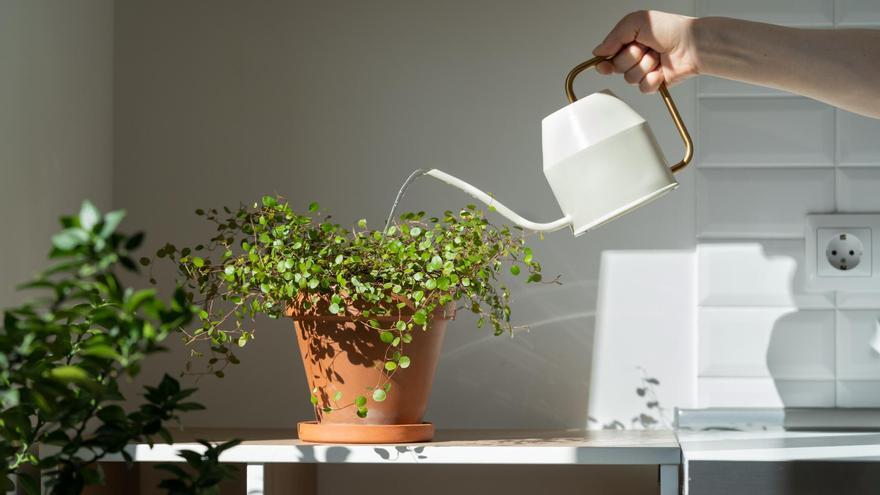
[
  {"x": 69, "y": 374},
  {"x": 420, "y": 317},
  {"x": 89, "y": 216},
  {"x": 69, "y": 238}
]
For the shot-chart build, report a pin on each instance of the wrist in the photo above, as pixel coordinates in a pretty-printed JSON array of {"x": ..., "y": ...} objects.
[
  {"x": 718, "y": 45},
  {"x": 700, "y": 31}
]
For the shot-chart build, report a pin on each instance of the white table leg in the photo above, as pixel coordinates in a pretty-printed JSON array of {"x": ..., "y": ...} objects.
[
  {"x": 254, "y": 478},
  {"x": 669, "y": 479}
]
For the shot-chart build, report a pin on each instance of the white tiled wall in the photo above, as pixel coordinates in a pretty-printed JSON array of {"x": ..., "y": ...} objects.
[
  {"x": 765, "y": 159},
  {"x": 766, "y": 202},
  {"x": 772, "y": 131}
]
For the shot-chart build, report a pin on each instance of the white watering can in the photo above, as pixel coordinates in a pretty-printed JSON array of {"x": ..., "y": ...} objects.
[{"x": 600, "y": 158}]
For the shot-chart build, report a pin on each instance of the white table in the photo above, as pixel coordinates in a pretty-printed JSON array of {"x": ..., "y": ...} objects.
[
  {"x": 766, "y": 461},
  {"x": 263, "y": 450}
]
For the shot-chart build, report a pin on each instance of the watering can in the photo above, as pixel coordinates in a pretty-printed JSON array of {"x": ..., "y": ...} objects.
[{"x": 600, "y": 158}]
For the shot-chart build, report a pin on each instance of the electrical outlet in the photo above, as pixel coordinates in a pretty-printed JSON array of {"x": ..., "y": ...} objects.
[
  {"x": 841, "y": 254},
  {"x": 846, "y": 252}
]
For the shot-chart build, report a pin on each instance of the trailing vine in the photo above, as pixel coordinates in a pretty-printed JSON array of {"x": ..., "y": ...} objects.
[{"x": 265, "y": 257}]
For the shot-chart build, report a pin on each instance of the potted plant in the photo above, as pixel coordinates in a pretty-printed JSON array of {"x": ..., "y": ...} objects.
[
  {"x": 370, "y": 307},
  {"x": 63, "y": 354}
]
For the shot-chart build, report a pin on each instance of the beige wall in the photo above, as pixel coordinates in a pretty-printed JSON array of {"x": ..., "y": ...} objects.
[
  {"x": 336, "y": 102},
  {"x": 56, "y": 124}
]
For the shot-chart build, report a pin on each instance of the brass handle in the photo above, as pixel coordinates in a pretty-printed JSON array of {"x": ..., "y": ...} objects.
[{"x": 667, "y": 99}]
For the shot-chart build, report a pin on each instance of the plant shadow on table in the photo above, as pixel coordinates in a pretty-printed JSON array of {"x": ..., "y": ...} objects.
[{"x": 333, "y": 454}]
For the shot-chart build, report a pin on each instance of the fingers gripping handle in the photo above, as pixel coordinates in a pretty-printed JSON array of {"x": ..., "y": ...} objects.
[{"x": 667, "y": 99}]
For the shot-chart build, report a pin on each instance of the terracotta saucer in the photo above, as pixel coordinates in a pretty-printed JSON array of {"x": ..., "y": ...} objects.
[{"x": 312, "y": 431}]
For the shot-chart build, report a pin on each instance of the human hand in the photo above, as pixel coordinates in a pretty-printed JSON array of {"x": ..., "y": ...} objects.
[{"x": 650, "y": 48}]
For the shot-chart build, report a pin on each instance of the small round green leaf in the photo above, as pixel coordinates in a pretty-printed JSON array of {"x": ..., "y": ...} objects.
[{"x": 420, "y": 317}]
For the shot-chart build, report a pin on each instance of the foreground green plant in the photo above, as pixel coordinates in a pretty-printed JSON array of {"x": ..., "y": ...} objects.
[
  {"x": 266, "y": 256},
  {"x": 61, "y": 357}
]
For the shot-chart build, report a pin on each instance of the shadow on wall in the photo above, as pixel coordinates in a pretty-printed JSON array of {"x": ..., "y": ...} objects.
[
  {"x": 800, "y": 358},
  {"x": 801, "y": 349},
  {"x": 764, "y": 341}
]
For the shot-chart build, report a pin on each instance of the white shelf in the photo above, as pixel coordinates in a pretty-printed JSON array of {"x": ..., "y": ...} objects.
[{"x": 559, "y": 447}]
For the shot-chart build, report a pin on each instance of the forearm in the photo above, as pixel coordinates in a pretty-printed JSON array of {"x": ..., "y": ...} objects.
[{"x": 839, "y": 67}]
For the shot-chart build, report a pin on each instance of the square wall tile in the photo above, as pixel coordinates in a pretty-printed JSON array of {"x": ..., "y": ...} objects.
[
  {"x": 858, "y": 12},
  {"x": 765, "y": 132},
  {"x": 764, "y": 392},
  {"x": 790, "y": 12},
  {"x": 856, "y": 358},
  {"x": 754, "y": 203},
  {"x": 861, "y": 393},
  {"x": 858, "y": 139},
  {"x": 858, "y": 189},
  {"x": 755, "y": 273},
  {"x": 776, "y": 343}
]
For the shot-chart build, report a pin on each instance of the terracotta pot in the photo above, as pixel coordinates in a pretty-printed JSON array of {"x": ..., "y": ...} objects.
[{"x": 342, "y": 354}]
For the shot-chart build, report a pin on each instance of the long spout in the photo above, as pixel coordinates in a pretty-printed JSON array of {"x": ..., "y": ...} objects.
[{"x": 500, "y": 208}]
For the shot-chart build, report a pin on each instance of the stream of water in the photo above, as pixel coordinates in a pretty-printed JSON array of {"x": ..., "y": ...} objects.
[{"x": 409, "y": 180}]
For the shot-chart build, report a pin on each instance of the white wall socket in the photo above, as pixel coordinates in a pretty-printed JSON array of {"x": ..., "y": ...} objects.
[{"x": 841, "y": 253}]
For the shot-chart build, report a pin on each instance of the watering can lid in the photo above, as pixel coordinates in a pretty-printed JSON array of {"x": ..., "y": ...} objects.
[{"x": 584, "y": 123}]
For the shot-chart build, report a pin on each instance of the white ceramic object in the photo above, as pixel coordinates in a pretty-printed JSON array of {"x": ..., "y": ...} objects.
[{"x": 600, "y": 158}]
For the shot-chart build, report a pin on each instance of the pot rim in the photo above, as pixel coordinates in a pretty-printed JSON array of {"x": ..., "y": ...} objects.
[{"x": 353, "y": 312}]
